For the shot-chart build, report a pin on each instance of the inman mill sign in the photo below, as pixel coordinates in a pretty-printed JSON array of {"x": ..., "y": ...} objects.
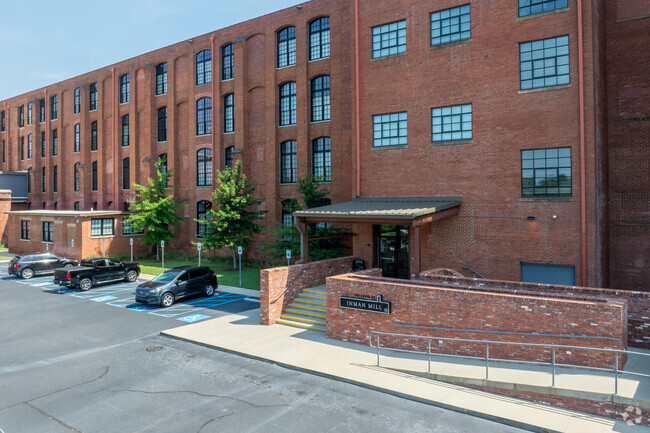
[{"x": 364, "y": 304}]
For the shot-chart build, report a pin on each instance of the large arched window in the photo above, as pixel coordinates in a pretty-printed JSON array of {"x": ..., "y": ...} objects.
[
  {"x": 227, "y": 62},
  {"x": 320, "y": 98},
  {"x": 288, "y": 104},
  {"x": 202, "y": 209},
  {"x": 204, "y": 116},
  {"x": 204, "y": 167},
  {"x": 161, "y": 79},
  {"x": 286, "y": 47},
  {"x": 203, "y": 67},
  {"x": 319, "y": 38}
]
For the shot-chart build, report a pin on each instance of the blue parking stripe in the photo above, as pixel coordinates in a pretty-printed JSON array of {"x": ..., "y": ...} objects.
[
  {"x": 103, "y": 291},
  {"x": 122, "y": 303}
]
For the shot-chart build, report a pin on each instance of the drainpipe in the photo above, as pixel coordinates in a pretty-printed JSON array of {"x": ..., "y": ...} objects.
[
  {"x": 356, "y": 70},
  {"x": 583, "y": 193},
  {"x": 303, "y": 240},
  {"x": 115, "y": 126},
  {"x": 213, "y": 111}
]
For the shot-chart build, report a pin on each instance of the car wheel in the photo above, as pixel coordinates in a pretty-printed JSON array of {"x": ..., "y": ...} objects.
[
  {"x": 85, "y": 284},
  {"x": 208, "y": 290},
  {"x": 68, "y": 265},
  {"x": 27, "y": 273},
  {"x": 167, "y": 300},
  {"x": 131, "y": 276}
]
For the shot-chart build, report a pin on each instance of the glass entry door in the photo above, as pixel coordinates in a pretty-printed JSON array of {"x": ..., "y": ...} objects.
[{"x": 392, "y": 250}]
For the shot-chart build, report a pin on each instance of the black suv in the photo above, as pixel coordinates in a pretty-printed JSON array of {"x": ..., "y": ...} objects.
[
  {"x": 177, "y": 283},
  {"x": 38, "y": 264}
]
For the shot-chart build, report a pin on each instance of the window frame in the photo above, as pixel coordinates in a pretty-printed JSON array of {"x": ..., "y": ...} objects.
[
  {"x": 162, "y": 125},
  {"x": 92, "y": 97},
  {"x": 77, "y": 101},
  {"x": 77, "y": 138},
  {"x": 55, "y": 178},
  {"x": 388, "y": 118},
  {"x": 316, "y": 39},
  {"x": 55, "y": 142},
  {"x": 54, "y": 107},
  {"x": 320, "y": 99},
  {"x": 204, "y": 167},
  {"x": 227, "y": 159},
  {"x": 201, "y": 228},
  {"x": 286, "y": 47},
  {"x": 534, "y": 169},
  {"x": 205, "y": 65},
  {"x": 24, "y": 230},
  {"x": 531, "y": 63},
  {"x": 446, "y": 19},
  {"x": 93, "y": 136},
  {"x": 21, "y": 116},
  {"x": 288, "y": 162},
  {"x": 41, "y": 110},
  {"x": 43, "y": 145},
  {"x": 557, "y": 5},
  {"x": 229, "y": 113},
  {"x": 75, "y": 176},
  {"x": 161, "y": 79},
  {"x": 455, "y": 112},
  {"x": 379, "y": 50},
  {"x": 47, "y": 228},
  {"x": 126, "y": 174},
  {"x": 204, "y": 116},
  {"x": 125, "y": 130},
  {"x": 93, "y": 176},
  {"x": 30, "y": 146},
  {"x": 99, "y": 227},
  {"x": 29, "y": 113},
  {"x": 127, "y": 228},
  {"x": 321, "y": 161},
  {"x": 125, "y": 88},
  {"x": 287, "y": 104},
  {"x": 227, "y": 62},
  {"x": 43, "y": 180}
]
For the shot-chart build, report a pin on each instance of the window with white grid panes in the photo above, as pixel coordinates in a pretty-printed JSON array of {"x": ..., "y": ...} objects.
[
  {"x": 389, "y": 39},
  {"x": 451, "y": 123},
  {"x": 544, "y": 63},
  {"x": 389, "y": 129}
]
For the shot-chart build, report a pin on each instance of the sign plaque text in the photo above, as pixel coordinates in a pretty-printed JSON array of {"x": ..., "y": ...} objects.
[{"x": 374, "y": 305}]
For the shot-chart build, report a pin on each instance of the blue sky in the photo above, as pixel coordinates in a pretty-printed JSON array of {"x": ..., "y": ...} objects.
[{"x": 46, "y": 41}]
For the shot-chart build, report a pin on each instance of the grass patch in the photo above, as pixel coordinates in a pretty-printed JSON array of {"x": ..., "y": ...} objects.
[{"x": 250, "y": 274}]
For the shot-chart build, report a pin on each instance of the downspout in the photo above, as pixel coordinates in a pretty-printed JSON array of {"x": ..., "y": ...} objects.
[
  {"x": 115, "y": 126},
  {"x": 212, "y": 112},
  {"x": 356, "y": 71},
  {"x": 583, "y": 189},
  {"x": 303, "y": 240}
]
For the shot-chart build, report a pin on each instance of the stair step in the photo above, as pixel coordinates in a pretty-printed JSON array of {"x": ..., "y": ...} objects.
[
  {"x": 301, "y": 325},
  {"x": 290, "y": 310},
  {"x": 313, "y": 297},
  {"x": 301, "y": 320},
  {"x": 308, "y": 307},
  {"x": 309, "y": 302},
  {"x": 314, "y": 290}
]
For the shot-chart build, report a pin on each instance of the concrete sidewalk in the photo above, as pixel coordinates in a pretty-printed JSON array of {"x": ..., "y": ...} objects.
[{"x": 313, "y": 352}]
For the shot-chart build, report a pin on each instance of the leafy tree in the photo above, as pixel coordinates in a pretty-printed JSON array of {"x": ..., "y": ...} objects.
[
  {"x": 231, "y": 222},
  {"x": 154, "y": 208}
]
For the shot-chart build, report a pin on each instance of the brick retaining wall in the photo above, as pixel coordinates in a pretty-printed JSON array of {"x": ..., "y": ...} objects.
[
  {"x": 419, "y": 306},
  {"x": 638, "y": 310}
]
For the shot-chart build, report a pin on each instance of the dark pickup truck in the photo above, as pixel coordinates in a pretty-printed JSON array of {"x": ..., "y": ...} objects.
[{"x": 95, "y": 271}]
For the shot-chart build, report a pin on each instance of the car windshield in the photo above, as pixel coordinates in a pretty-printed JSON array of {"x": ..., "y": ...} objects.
[{"x": 166, "y": 277}]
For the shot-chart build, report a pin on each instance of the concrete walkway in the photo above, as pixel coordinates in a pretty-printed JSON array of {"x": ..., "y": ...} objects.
[{"x": 313, "y": 352}]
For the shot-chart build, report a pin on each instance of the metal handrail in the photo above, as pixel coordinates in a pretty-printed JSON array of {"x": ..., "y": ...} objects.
[
  {"x": 472, "y": 270},
  {"x": 487, "y": 358},
  {"x": 289, "y": 285}
]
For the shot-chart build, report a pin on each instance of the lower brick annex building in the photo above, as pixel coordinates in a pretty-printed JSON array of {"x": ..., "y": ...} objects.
[{"x": 511, "y": 138}]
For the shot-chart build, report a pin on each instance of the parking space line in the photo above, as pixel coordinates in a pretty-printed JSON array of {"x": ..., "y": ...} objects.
[
  {"x": 174, "y": 311},
  {"x": 103, "y": 298},
  {"x": 41, "y": 284},
  {"x": 121, "y": 303},
  {"x": 102, "y": 291}
]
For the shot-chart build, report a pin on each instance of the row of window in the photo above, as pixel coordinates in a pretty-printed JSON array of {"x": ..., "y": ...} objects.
[{"x": 98, "y": 227}]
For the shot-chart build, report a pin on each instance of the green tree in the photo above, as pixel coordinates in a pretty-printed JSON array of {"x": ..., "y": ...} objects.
[
  {"x": 154, "y": 209},
  {"x": 231, "y": 222}
]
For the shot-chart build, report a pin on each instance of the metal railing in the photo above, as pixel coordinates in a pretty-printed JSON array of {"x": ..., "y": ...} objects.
[{"x": 487, "y": 359}]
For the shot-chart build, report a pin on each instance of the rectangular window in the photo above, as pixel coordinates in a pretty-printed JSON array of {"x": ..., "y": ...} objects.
[
  {"x": 29, "y": 113},
  {"x": 204, "y": 116},
  {"x": 24, "y": 230},
  {"x": 102, "y": 227},
  {"x": 161, "y": 79},
  {"x": 450, "y": 25},
  {"x": 125, "y": 89},
  {"x": 204, "y": 67},
  {"x": 93, "y": 136},
  {"x": 2, "y": 121},
  {"x": 204, "y": 167},
  {"x": 544, "y": 63},
  {"x": 93, "y": 176},
  {"x": 126, "y": 176},
  {"x": 21, "y": 116},
  {"x": 29, "y": 187},
  {"x": 319, "y": 38},
  {"x": 127, "y": 228},
  {"x": 77, "y": 100},
  {"x": 227, "y": 160},
  {"x": 29, "y": 146},
  {"x": 47, "y": 231},
  {"x": 43, "y": 146},
  {"x": 4, "y": 152},
  {"x": 288, "y": 162},
  {"x": 41, "y": 110},
  {"x": 288, "y": 104},
  {"x": 125, "y": 130},
  {"x": 546, "y": 172},
  {"x": 229, "y": 113},
  {"x": 532, "y": 7},
  {"x": 75, "y": 179},
  {"x": 227, "y": 63},
  {"x": 202, "y": 209},
  {"x": 287, "y": 47},
  {"x": 77, "y": 137},
  {"x": 451, "y": 123},
  {"x": 54, "y": 107},
  {"x": 389, "y": 39},
  {"x": 92, "y": 97},
  {"x": 322, "y": 159},
  {"x": 390, "y": 129},
  {"x": 43, "y": 180},
  {"x": 320, "y": 99},
  {"x": 22, "y": 148},
  {"x": 162, "y": 124},
  {"x": 55, "y": 179},
  {"x": 55, "y": 143}
]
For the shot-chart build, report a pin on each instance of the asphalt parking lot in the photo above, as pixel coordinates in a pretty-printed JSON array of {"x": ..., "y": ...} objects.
[{"x": 122, "y": 295}]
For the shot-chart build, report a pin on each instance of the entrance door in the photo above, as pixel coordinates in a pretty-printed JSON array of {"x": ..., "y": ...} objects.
[{"x": 392, "y": 250}]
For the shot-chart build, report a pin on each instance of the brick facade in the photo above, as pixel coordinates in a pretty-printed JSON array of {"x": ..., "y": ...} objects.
[
  {"x": 496, "y": 230},
  {"x": 419, "y": 307}
]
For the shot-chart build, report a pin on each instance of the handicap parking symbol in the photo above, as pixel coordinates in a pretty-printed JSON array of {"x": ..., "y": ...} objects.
[{"x": 193, "y": 318}]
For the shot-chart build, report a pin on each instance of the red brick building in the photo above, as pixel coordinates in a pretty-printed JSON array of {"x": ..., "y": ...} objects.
[{"x": 531, "y": 119}]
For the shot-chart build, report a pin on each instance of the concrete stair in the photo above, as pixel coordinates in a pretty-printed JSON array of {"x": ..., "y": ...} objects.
[{"x": 308, "y": 311}]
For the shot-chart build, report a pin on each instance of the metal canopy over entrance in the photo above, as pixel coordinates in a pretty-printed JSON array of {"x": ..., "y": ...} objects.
[{"x": 396, "y": 215}]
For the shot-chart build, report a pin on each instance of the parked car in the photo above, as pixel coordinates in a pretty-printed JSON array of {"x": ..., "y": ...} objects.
[
  {"x": 38, "y": 264},
  {"x": 94, "y": 271},
  {"x": 177, "y": 283}
]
